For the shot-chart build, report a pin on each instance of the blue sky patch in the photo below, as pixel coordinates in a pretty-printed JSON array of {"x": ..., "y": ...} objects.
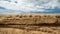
[{"x": 29, "y": 6}]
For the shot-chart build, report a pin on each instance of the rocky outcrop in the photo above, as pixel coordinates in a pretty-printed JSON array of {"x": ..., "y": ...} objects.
[
  {"x": 30, "y": 24},
  {"x": 31, "y": 30},
  {"x": 29, "y": 19}
]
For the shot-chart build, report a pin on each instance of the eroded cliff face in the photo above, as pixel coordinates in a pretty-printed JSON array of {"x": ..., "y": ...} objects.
[
  {"x": 30, "y": 24},
  {"x": 29, "y": 19}
]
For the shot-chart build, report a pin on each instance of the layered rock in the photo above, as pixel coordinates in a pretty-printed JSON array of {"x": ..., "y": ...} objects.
[
  {"x": 29, "y": 19},
  {"x": 31, "y": 30},
  {"x": 30, "y": 24}
]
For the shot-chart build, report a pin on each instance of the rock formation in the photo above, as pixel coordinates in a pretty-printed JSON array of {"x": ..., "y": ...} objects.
[
  {"x": 29, "y": 19},
  {"x": 30, "y": 24}
]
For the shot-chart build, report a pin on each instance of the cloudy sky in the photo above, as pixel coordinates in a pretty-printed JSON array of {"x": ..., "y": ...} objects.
[{"x": 29, "y": 6}]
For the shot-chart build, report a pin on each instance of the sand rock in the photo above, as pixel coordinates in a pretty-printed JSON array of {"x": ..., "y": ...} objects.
[
  {"x": 30, "y": 24},
  {"x": 29, "y": 19},
  {"x": 39, "y": 30}
]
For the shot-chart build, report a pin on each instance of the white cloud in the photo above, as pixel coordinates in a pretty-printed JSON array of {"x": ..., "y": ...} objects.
[{"x": 30, "y": 5}]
